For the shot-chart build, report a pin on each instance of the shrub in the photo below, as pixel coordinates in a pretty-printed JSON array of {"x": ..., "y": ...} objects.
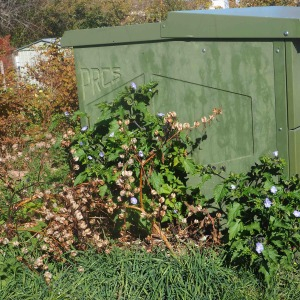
[
  {"x": 28, "y": 109},
  {"x": 262, "y": 214},
  {"x": 141, "y": 163}
]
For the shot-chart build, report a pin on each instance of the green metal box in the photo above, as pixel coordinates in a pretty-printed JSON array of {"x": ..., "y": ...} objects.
[{"x": 246, "y": 61}]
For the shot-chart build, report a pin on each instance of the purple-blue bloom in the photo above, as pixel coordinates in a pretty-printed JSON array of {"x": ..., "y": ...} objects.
[
  {"x": 101, "y": 154},
  {"x": 133, "y": 200},
  {"x": 273, "y": 189},
  {"x": 133, "y": 85},
  {"x": 175, "y": 211},
  {"x": 81, "y": 143},
  {"x": 267, "y": 203},
  {"x": 160, "y": 115},
  {"x": 296, "y": 213},
  {"x": 141, "y": 154},
  {"x": 89, "y": 157},
  {"x": 259, "y": 248},
  {"x": 112, "y": 134},
  {"x": 67, "y": 114},
  {"x": 84, "y": 128},
  {"x": 275, "y": 153}
]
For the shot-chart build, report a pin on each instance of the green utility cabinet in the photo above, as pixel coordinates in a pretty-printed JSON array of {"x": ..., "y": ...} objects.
[{"x": 243, "y": 60}]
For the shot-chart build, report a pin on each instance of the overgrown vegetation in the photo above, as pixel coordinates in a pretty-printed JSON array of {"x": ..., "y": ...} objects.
[{"x": 65, "y": 188}]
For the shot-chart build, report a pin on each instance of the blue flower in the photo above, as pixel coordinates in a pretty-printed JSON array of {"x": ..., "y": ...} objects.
[
  {"x": 275, "y": 153},
  {"x": 133, "y": 85},
  {"x": 81, "y": 143},
  {"x": 89, "y": 157},
  {"x": 84, "y": 128},
  {"x": 101, "y": 154},
  {"x": 273, "y": 189},
  {"x": 133, "y": 200},
  {"x": 141, "y": 154},
  {"x": 160, "y": 115},
  {"x": 67, "y": 114},
  {"x": 296, "y": 213},
  {"x": 112, "y": 134},
  {"x": 259, "y": 248},
  {"x": 267, "y": 203},
  {"x": 175, "y": 211}
]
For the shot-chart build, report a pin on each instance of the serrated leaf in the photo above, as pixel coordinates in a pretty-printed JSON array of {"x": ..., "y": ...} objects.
[
  {"x": 102, "y": 190},
  {"x": 165, "y": 189},
  {"x": 270, "y": 254},
  {"x": 219, "y": 192},
  {"x": 280, "y": 224},
  {"x": 234, "y": 211},
  {"x": 80, "y": 178},
  {"x": 113, "y": 156},
  {"x": 278, "y": 243},
  {"x": 253, "y": 226},
  {"x": 156, "y": 180},
  {"x": 170, "y": 203},
  {"x": 188, "y": 165},
  {"x": 234, "y": 229},
  {"x": 264, "y": 271}
]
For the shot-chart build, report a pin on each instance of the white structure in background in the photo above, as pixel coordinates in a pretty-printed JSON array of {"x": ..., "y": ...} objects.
[
  {"x": 28, "y": 55},
  {"x": 219, "y": 4}
]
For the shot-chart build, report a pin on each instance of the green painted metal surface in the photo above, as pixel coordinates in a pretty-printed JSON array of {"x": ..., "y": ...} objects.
[
  {"x": 253, "y": 79},
  {"x": 112, "y": 35},
  {"x": 256, "y": 22},
  {"x": 280, "y": 77}
]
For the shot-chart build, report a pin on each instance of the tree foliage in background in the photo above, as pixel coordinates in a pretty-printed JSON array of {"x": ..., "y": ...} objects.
[
  {"x": 22, "y": 20},
  {"x": 247, "y": 3},
  {"x": 27, "y": 21}
]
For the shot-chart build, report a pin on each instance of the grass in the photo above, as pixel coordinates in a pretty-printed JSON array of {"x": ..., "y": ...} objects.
[{"x": 136, "y": 274}]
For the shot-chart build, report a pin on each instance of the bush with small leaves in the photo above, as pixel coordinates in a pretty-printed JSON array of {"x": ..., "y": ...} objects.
[
  {"x": 263, "y": 218},
  {"x": 142, "y": 162}
]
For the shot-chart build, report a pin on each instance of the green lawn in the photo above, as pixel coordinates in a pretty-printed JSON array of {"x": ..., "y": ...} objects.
[{"x": 136, "y": 274}]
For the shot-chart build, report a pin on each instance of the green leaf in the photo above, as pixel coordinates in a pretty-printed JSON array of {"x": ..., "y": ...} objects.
[
  {"x": 175, "y": 161},
  {"x": 296, "y": 236},
  {"x": 253, "y": 226},
  {"x": 219, "y": 192},
  {"x": 170, "y": 203},
  {"x": 234, "y": 229},
  {"x": 188, "y": 164},
  {"x": 80, "y": 153},
  {"x": 165, "y": 189},
  {"x": 264, "y": 271},
  {"x": 165, "y": 219},
  {"x": 156, "y": 180},
  {"x": 234, "y": 211},
  {"x": 278, "y": 243},
  {"x": 270, "y": 254},
  {"x": 113, "y": 156},
  {"x": 102, "y": 190},
  {"x": 80, "y": 178}
]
